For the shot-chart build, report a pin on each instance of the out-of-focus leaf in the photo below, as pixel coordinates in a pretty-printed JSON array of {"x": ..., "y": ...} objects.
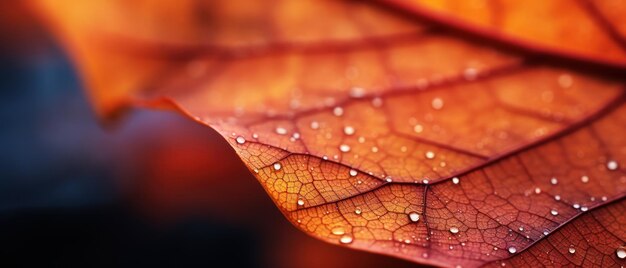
[
  {"x": 590, "y": 29},
  {"x": 377, "y": 130}
]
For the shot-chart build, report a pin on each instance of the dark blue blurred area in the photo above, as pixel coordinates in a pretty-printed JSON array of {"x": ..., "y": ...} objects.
[{"x": 60, "y": 202}]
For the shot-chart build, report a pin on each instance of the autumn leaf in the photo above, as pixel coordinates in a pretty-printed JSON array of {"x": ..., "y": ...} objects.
[{"x": 389, "y": 129}]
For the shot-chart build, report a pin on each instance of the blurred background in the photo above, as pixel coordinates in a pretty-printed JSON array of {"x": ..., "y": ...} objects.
[{"x": 156, "y": 190}]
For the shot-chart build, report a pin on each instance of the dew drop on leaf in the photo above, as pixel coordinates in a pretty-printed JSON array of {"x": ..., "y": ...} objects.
[
  {"x": 338, "y": 111},
  {"x": 418, "y": 128},
  {"x": 576, "y": 205},
  {"x": 454, "y": 230},
  {"x": 353, "y": 172},
  {"x": 621, "y": 252},
  {"x": 344, "y": 148},
  {"x": 583, "y": 209},
  {"x": 437, "y": 103},
  {"x": 554, "y": 212},
  {"x": 430, "y": 155},
  {"x": 281, "y": 131},
  {"x": 388, "y": 179},
  {"x": 554, "y": 181},
  {"x": 557, "y": 197},
  {"x": 241, "y": 140},
  {"x": 346, "y": 239},
  {"x": 512, "y": 250},
  {"x": 338, "y": 231},
  {"x": 414, "y": 216},
  {"x": 358, "y": 211},
  {"x": 377, "y": 102},
  {"x": 584, "y": 179},
  {"x": 315, "y": 125},
  {"x": 425, "y": 181},
  {"x": 348, "y": 130},
  {"x": 277, "y": 166},
  {"x": 300, "y": 202},
  {"x": 612, "y": 165},
  {"x": 571, "y": 250}
]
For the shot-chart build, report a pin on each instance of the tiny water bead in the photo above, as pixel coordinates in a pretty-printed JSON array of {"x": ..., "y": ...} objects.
[
  {"x": 621, "y": 252},
  {"x": 584, "y": 179},
  {"x": 388, "y": 179},
  {"x": 554, "y": 181},
  {"x": 241, "y": 140},
  {"x": 454, "y": 230},
  {"x": 353, "y": 172},
  {"x": 571, "y": 250},
  {"x": 537, "y": 190},
  {"x": 425, "y": 181},
  {"x": 344, "y": 148},
  {"x": 414, "y": 217},
  {"x": 418, "y": 128},
  {"x": 358, "y": 211},
  {"x": 338, "y": 111},
  {"x": 315, "y": 125},
  {"x": 281, "y": 131},
  {"x": 346, "y": 239},
  {"x": 437, "y": 103},
  {"x": 430, "y": 154},
  {"x": 557, "y": 197},
  {"x": 338, "y": 231},
  {"x": 554, "y": 212},
  {"x": 612, "y": 165},
  {"x": 277, "y": 166},
  {"x": 300, "y": 202},
  {"x": 348, "y": 130},
  {"x": 576, "y": 205},
  {"x": 512, "y": 250},
  {"x": 456, "y": 180}
]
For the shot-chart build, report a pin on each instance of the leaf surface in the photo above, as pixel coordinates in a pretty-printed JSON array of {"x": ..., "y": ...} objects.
[
  {"x": 377, "y": 130},
  {"x": 558, "y": 27}
]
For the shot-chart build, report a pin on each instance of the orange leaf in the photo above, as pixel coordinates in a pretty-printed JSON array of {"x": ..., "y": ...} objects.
[
  {"x": 380, "y": 131},
  {"x": 589, "y": 29}
]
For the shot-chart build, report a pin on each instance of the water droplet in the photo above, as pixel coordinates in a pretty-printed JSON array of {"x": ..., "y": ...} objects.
[
  {"x": 388, "y": 179},
  {"x": 344, "y": 148},
  {"x": 338, "y": 111},
  {"x": 300, "y": 202},
  {"x": 374, "y": 149},
  {"x": 357, "y": 92},
  {"x": 277, "y": 166},
  {"x": 554, "y": 181},
  {"x": 377, "y": 102},
  {"x": 425, "y": 181},
  {"x": 358, "y": 211},
  {"x": 348, "y": 130},
  {"x": 255, "y": 136},
  {"x": 512, "y": 250},
  {"x": 346, "y": 239},
  {"x": 604, "y": 198},
  {"x": 521, "y": 229},
  {"x": 583, "y": 209},
  {"x": 418, "y": 128},
  {"x": 571, "y": 250},
  {"x": 584, "y": 179},
  {"x": 554, "y": 212},
  {"x": 281, "y": 131},
  {"x": 454, "y": 230},
  {"x": 414, "y": 217},
  {"x": 353, "y": 172},
  {"x": 565, "y": 80},
  {"x": 470, "y": 73},
  {"x": 315, "y": 125},
  {"x": 430, "y": 155},
  {"x": 437, "y": 103},
  {"x": 612, "y": 165},
  {"x": 241, "y": 140},
  {"x": 576, "y": 205},
  {"x": 338, "y": 231},
  {"x": 557, "y": 197},
  {"x": 546, "y": 232},
  {"x": 537, "y": 190},
  {"x": 621, "y": 252}
]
